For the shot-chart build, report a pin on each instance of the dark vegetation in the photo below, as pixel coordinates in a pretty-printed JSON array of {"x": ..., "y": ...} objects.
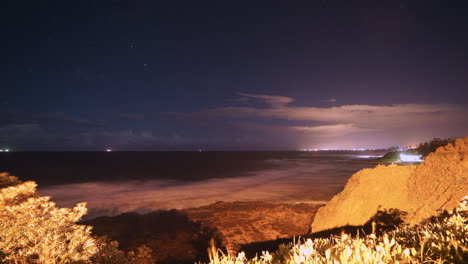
[
  {"x": 172, "y": 237},
  {"x": 383, "y": 221},
  {"x": 428, "y": 147},
  {"x": 7, "y": 180},
  {"x": 387, "y": 220},
  {"x": 423, "y": 149}
]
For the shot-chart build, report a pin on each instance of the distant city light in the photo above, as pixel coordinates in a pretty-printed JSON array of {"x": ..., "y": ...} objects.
[
  {"x": 108, "y": 150},
  {"x": 410, "y": 158},
  {"x": 338, "y": 149}
]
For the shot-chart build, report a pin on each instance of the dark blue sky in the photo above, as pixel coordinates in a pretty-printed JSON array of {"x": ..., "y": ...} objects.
[{"x": 183, "y": 75}]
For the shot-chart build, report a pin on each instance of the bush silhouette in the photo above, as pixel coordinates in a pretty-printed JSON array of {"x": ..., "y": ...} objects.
[
  {"x": 387, "y": 219},
  {"x": 427, "y": 147}
]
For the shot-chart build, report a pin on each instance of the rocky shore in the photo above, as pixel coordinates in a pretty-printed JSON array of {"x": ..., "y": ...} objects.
[
  {"x": 241, "y": 223},
  {"x": 180, "y": 236}
]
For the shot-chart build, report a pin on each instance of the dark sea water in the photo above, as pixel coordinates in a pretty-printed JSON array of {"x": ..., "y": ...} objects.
[{"x": 118, "y": 182}]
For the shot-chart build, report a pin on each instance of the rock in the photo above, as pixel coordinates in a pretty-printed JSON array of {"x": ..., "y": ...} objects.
[
  {"x": 367, "y": 189},
  {"x": 172, "y": 237},
  {"x": 182, "y": 236},
  {"x": 437, "y": 183},
  {"x": 241, "y": 223}
]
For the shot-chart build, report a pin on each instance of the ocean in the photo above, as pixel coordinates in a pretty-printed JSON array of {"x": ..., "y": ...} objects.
[{"x": 116, "y": 182}]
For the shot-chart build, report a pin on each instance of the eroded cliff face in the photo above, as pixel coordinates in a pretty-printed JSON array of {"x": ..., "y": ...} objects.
[
  {"x": 246, "y": 222},
  {"x": 439, "y": 182},
  {"x": 180, "y": 236},
  {"x": 365, "y": 192}
]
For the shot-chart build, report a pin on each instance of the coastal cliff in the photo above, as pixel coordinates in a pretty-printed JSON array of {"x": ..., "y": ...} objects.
[
  {"x": 241, "y": 223},
  {"x": 180, "y": 236},
  {"x": 437, "y": 183}
]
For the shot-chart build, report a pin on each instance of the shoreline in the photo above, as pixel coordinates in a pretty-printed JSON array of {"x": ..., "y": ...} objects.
[{"x": 232, "y": 225}]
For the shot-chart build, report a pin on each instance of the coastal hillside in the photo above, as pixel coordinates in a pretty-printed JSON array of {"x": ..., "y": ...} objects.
[
  {"x": 241, "y": 223},
  {"x": 437, "y": 183},
  {"x": 181, "y": 236}
]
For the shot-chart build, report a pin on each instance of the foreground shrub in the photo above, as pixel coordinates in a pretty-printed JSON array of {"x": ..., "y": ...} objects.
[
  {"x": 387, "y": 220},
  {"x": 441, "y": 240},
  {"x": 34, "y": 230},
  {"x": 431, "y": 146},
  {"x": 109, "y": 253}
]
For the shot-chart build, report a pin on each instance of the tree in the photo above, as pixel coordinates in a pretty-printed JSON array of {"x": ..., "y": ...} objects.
[
  {"x": 388, "y": 219},
  {"x": 7, "y": 180},
  {"x": 427, "y": 147},
  {"x": 33, "y": 229},
  {"x": 109, "y": 253}
]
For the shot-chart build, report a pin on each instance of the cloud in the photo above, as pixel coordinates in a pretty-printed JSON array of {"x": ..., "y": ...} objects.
[
  {"x": 16, "y": 117},
  {"x": 68, "y": 118},
  {"x": 23, "y": 135},
  {"x": 331, "y": 100},
  {"x": 386, "y": 123},
  {"x": 365, "y": 116},
  {"x": 274, "y": 101},
  {"x": 14, "y": 131},
  {"x": 125, "y": 139},
  {"x": 331, "y": 130}
]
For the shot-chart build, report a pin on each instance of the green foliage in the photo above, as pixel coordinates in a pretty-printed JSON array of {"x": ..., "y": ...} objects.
[
  {"x": 282, "y": 255},
  {"x": 388, "y": 219},
  {"x": 392, "y": 156},
  {"x": 142, "y": 255},
  {"x": 108, "y": 252},
  {"x": 423, "y": 149},
  {"x": 443, "y": 240},
  {"x": 7, "y": 180},
  {"x": 34, "y": 230},
  {"x": 440, "y": 239},
  {"x": 427, "y": 147}
]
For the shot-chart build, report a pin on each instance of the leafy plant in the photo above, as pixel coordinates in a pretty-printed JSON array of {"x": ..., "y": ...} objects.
[
  {"x": 427, "y": 147},
  {"x": 388, "y": 219},
  {"x": 33, "y": 229},
  {"x": 442, "y": 241}
]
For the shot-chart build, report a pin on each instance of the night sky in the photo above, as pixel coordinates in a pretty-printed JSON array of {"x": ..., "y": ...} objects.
[{"x": 231, "y": 75}]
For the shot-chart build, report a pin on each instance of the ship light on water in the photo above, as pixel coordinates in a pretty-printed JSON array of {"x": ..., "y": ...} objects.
[{"x": 410, "y": 158}]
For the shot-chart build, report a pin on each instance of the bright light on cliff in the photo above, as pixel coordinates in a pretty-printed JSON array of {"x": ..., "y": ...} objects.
[{"x": 410, "y": 158}]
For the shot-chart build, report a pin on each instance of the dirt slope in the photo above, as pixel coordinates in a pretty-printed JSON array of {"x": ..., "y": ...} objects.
[
  {"x": 439, "y": 182},
  {"x": 246, "y": 222}
]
